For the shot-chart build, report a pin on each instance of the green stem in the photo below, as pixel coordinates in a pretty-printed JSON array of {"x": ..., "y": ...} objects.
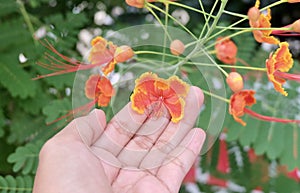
[
  {"x": 165, "y": 36},
  {"x": 206, "y": 25},
  {"x": 159, "y": 21},
  {"x": 175, "y": 20},
  {"x": 155, "y": 53},
  {"x": 27, "y": 20},
  {"x": 190, "y": 8},
  {"x": 230, "y": 36},
  {"x": 272, "y": 5},
  {"x": 227, "y": 28},
  {"x": 228, "y": 66},
  {"x": 215, "y": 96},
  {"x": 235, "y": 14},
  {"x": 205, "y": 18},
  {"x": 216, "y": 20}
]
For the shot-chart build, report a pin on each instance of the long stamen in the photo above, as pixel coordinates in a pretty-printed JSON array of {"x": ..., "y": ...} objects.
[
  {"x": 77, "y": 111},
  {"x": 268, "y": 118},
  {"x": 295, "y": 77}
]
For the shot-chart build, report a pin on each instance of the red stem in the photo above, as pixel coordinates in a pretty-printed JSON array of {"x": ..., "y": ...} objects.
[{"x": 268, "y": 118}]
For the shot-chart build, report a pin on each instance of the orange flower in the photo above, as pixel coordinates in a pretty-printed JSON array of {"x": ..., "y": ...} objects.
[
  {"x": 102, "y": 54},
  {"x": 136, "y": 3},
  {"x": 261, "y": 21},
  {"x": 293, "y": 1},
  {"x": 238, "y": 102},
  {"x": 99, "y": 89},
  {"x": 237, "y": 108},
  {"x": 226, "y": 50},
  {"x": 280, "y": 61},
  {"x": 154, "y": 93}
]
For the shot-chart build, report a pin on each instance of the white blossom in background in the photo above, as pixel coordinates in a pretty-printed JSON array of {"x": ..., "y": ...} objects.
[
  {"x": 102, "y": 18},
  {"x": 22, "y": 58},
  {"x": 117, "y": 11},
  {"x": 181, "y": 15},
  {"x": 40, "y": 33},
  {"x": 68, "y": 91}
]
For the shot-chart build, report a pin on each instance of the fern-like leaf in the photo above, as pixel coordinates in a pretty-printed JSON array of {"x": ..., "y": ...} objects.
[
  {"x": 19, "y": 184},
  {"x": 15, "y": 79},
  {"x": 25, "y": 159}
]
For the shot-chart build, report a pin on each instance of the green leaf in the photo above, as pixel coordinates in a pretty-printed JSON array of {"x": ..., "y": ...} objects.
[
  {"x": 34, "y": 105},
  {"x": 20, "y": 184},
  {"x": 291, "y": 153},
  {"x": 7, "y": 7},
  {"x": 275, "y": 138},
  {"x": 56, "y": 109},
  {"x": 261, "y": 143},
  {"x": 2, "y": 123},
  {"x": 15, "y": 79},
  {"x": 25, "y": 158},
  {"x": 25, "y": 127}
]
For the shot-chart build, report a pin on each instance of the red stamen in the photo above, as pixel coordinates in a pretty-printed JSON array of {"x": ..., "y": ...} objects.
[
  {"x": 62, "y": 64},
  {"x": 295, "y": 77},
  {"x": 268, "y": 118},
  {"x": 82, "y": 110}
]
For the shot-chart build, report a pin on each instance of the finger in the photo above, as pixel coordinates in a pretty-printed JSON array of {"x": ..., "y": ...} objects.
[
  {"x": 175, "y": 132},
  {"x": 176, "y": 166},
  {"x": 120, "y": 130},
  {"x": 87, "y": 129},
  {"x": 140, "y": 144}
]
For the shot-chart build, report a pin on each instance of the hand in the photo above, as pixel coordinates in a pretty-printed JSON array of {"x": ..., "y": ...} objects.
[{"x": 89, "y": 156}]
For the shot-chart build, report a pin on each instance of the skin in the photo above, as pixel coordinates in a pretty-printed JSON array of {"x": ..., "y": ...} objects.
[{"x": 71, "y": 161}]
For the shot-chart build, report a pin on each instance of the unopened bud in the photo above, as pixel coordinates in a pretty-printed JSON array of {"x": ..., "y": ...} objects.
[
  {"x": 177, "y": 47},
  {"x": 235, "y": 81},
  {"x": 253, "y": 14},
  {"x": 123, "y": 53}
]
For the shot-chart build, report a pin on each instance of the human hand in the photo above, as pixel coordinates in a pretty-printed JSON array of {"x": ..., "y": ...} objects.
[{"x": 90, "y": 156}]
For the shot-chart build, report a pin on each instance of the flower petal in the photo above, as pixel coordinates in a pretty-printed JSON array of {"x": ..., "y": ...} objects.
[
  {"x": 176, "y": 110},
  {"x": 91, "y": 86}
]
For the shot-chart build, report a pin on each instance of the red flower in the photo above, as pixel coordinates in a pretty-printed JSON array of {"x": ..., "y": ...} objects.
[
  {"x": 102, "y": 54},
  {"x": 99, "y": 89},
  {"x": 154, "y": 93},
  {"x": 226, "y": 50},
  {"x": 238, "y": 102},
  {"x": 278, "y": 63},
  {"x": 261, "y": 21}
]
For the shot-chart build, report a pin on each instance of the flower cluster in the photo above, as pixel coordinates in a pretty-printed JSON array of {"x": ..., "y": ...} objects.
[{"x": 154, "y": 95}]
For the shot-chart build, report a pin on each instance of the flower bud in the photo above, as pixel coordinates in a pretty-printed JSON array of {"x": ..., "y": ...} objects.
[
  {"x": 123, "y": 53},
  {"x": 235, "y": 81},
  {"x": 177, "y": 47},
  {"x": 136, "y": 3},
  {"x": 253, "y": 14},
  {"x": 296, "y": 26}
]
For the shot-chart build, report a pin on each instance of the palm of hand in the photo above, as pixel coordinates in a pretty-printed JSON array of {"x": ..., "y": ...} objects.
[{"x": 118, "y": 157}]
